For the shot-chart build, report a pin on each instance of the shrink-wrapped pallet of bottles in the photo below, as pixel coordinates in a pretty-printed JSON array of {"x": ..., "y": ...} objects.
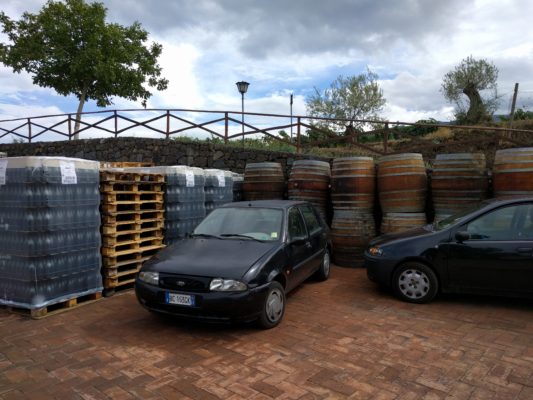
[
  {"x": 218, "y": 188},
  {"x": 49, "y": 232}
]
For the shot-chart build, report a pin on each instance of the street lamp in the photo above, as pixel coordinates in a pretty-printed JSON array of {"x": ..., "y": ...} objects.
[{"x": 243, "y": 87}]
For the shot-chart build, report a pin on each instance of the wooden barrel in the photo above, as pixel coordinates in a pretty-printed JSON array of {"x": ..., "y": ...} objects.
[
  {"x": 513, "y": 172},
  {"x": 309, "y": 181},
  {"x": 353, "y": 183},
  {"x": 263, "y": 181},
  {"x": 400, "y": 222},
  {"x": 351, "y": 231},
  {"x": 402, "y": 183},
  {"x": 458, "y": 181}
]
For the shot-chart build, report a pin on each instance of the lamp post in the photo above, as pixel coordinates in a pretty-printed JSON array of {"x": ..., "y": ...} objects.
[{"x": 243, "y": 87}]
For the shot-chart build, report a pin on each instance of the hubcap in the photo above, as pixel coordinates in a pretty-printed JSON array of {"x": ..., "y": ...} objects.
[
  {"x": 413, "y": 283},
  {"x": 274, "y": 305}
]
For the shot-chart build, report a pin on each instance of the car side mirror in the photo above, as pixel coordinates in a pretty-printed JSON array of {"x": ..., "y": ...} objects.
[
  {"x": 297, "y": 240},
  {"x": 462, "y": 236}
]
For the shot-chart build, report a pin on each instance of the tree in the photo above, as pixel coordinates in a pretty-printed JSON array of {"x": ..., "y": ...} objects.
[
  {"x": 351, "y": 98},
  {"x": 470, "y": 78},
  {"x": 68, "y": 46}
]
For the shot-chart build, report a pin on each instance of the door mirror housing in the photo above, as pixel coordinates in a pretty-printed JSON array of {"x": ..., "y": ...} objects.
[
  {"x": 462, "y": 236},
  {"x": 298, "y": 240}
]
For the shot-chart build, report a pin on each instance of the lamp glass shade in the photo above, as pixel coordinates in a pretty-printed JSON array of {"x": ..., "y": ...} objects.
[{"x": 242, "y": 86}]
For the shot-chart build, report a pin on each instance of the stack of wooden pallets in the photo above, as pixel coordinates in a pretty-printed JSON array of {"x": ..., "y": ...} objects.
[{"x": 132, "y": 224}]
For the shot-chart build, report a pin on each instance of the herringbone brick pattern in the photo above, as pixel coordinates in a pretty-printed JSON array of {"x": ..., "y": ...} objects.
[{"x": 340, "y": 339}]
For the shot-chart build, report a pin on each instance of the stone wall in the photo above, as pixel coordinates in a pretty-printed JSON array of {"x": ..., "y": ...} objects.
[{"x": 157, "y": 151}]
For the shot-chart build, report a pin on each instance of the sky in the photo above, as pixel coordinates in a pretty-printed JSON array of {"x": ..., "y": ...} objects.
[{"x": 282, "y": 47}]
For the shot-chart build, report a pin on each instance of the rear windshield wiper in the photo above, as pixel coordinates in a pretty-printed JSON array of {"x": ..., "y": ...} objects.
[{"x": 240, "y": 235}]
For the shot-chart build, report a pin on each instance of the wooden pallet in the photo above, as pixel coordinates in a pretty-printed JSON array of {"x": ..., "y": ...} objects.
[
  {"x": 56, "y": 308},
  {"x": 123, "y": 177},
  {"x": 132, "y": 206},
  {"x": 133, "y": 248},
  {"x": 126, "y": 227},
  {"x": 115, "y": 261},
  {"x": 124, "y": 164},
  {"x": 111, "y": 187},
  {"x": 132, "y": 197},
  {"x": 129, "y": 217},
  {"x": 131, "y": 238}
]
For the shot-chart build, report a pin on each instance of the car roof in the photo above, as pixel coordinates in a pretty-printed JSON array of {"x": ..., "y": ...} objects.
[
  {"x": 496, "y": 202},
  {"x": 284, "y": 204}
]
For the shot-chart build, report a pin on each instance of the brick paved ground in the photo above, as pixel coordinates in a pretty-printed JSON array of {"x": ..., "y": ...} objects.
[{"x": 339, "y": 339}]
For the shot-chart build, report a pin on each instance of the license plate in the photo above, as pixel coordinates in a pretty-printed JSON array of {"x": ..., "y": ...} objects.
[{"x": 180, "y": 299}]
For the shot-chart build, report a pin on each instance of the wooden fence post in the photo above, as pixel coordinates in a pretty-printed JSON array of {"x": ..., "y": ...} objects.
[
  {"x": 70, "y": 127},
  {"x": 386, "y": 138},
  {"x": 168, "y": 124},
  {"x": 298, "y": 148},
  {"x": 29, "y": 130},
  {"x": 226, "y": 128},
  {"x": 116, "y": 123}
]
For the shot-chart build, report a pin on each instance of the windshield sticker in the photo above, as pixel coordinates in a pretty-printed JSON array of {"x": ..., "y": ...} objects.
[{"x": 274, "y": 235}]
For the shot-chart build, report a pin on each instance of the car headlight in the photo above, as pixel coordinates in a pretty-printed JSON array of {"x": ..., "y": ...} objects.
[
  {"x": 149, "y": 277},
  {"x": 227, "y": 285},
  {"x": 375, "y": 251}
]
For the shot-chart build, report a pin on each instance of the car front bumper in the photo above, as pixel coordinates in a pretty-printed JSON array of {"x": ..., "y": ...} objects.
[
  {"x": 209, "y": 306},
  {"x": 379, "y": 269}
]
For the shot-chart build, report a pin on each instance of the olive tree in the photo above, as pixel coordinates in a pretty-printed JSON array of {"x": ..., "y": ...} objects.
[
  {"x": 472, "y": 88},
  {"x": 69, "y": 46},
  {"x": 349, "y": 100}
]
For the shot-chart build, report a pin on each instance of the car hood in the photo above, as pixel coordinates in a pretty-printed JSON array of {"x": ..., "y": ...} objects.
[
  {"x": 401, "y": 236},
  {"x": 225, "y": 258}
]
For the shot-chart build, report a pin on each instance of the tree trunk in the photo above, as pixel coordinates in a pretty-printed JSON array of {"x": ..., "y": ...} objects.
[
  {"x": 476, "y": 111},
  {"x": 78, "y": 113}
]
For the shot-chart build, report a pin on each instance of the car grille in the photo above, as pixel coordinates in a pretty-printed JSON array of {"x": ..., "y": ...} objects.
[{"x": 196, "y": 284}]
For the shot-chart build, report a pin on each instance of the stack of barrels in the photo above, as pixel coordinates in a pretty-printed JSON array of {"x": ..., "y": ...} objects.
[
  {"x": 263, "y": 181},
  {"x": 459, "y": 181},
  {"x": 513, "y": 172},
  {"x": 402, "y": 187},
  {"x": 353, "y": 183},
  {"x": 309, "y": 180}
]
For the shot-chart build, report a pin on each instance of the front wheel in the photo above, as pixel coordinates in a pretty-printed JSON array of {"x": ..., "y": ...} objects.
[
  {"x": 415, "y": 283},
  {"x": 323, "y": 272},
  {"x": 274, "y": 306}
]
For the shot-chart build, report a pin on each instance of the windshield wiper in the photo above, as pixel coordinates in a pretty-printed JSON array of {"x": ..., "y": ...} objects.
[
  {"x": 240, "y": 235},
  {"x": 207, "y": 235}
]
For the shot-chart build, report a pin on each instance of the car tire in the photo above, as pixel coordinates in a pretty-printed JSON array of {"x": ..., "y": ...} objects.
[
  {"x": 322, "y": 273},
  {"x": 415, "y": 283},
  {"x": 273, "y": 307}
]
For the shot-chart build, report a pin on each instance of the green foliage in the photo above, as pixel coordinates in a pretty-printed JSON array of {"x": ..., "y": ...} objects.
[
  {"x": 415, "y": 130},
  {"x": 69, "y": 47},
  {"x": 349, "y": 98},
  {"x": 520, "y": 115},
  {"x": 468, "y": 80}
]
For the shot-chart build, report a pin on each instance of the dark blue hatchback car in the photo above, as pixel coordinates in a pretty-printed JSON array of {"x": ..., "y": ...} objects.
[
  {"x": 239, "y": 263},
  {"x": 485, "y": 251}
]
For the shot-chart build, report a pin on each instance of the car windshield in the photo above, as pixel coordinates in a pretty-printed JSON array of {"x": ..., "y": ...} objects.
[{"x": 242, "y": 222}]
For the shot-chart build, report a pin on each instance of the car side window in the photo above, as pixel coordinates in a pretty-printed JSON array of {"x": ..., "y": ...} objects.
[
  {"x": 496, "y": 225},
  {"x": 310, "y": 220},
  {"x": 525, "y": 231},
  {"x": 296, "y": 225}
]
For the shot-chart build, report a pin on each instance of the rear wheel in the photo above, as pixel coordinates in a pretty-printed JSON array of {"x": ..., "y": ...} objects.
[
  {"x": 273, "y": 307},
  {"x": 415, "y": 282},
  {"x": 323, "y": 272}
]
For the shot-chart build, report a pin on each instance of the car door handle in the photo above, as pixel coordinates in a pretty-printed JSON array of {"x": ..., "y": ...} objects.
[
  {"x": 524, "y": 250},
  {"x": 308, "y": 245}
]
